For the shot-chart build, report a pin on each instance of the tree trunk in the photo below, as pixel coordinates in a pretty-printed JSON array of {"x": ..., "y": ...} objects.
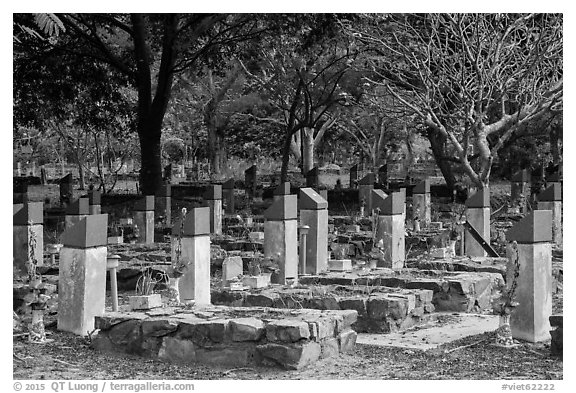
[
  {"x": 438, "y": 146},
  {"x": 150, "y": 157},
  {"x": 308, "y": 150},
  {"x": 286, "y": 156}
]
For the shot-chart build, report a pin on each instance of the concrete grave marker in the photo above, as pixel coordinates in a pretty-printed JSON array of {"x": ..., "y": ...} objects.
[
  {"x": 195, "y": 252},
  {"x": 228, "y": 195},
  {"x": 144, "y": 219},
  {"x": 314, "y": 214},
  {"x": 551, "y": 199},
  {"x": 390, "y": 230},
  {"x": 76, "y": 211},
  {"x": 82, "y": 274},
  {"x": 213, "y": 197},
  {"x": 27, "y": 221},
  {"x": 533, "y": 234},
  {"x": 281, "y": 236},
  {"x": 478, "y": 215},
  {"x": 421, "y": 204},
  {"x": 365, "y": 187},
  {"x": 163, "y": 203},
  {"x": 94, "y": 202}
]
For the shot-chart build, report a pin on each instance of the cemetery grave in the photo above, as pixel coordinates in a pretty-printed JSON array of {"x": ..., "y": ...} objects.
[{"x": 243, "y": 276}]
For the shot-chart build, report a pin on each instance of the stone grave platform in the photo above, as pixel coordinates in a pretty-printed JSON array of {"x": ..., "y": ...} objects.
[
  {"x": 453, "y": 291},
  {"x": 229, "y": 336},
  {"x": 466, "y": 264},
  {"x": 380, "y": 309}
]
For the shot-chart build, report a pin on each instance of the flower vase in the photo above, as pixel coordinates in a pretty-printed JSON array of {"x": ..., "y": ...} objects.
[
  {"x": 504, "y": 333},
  {"x": 173, "y": 291},
  {"x": 36, "y": 332}
]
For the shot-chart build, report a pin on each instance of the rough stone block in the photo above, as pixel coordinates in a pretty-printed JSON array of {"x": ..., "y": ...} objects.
[
  {"x": 31, "y": 213},
  {"x": 292, "y": 356},
  {"x": 232, "y": 267},
  {"x": 145, "y": 302},
  {"x": 177, "y": 350},
  {"x": 261, "y": 281},
  {"x": 329, "y": 347},
  {"x": 158, "y": 327},
  {"x": 204, "y": 332},
  {"x": 227, "y": 355},
  {"x": 354, "y": 303},
  {"x": 340, "y": 265},
  {"x": 246, "y": 329},
  {"x": 287, "y": 331},
  {"x": 145, "y": 204},
  {"x": 535, "y": 227},
  {"x": 311, "y": 200},
  {"x": 347, "y": 340}
]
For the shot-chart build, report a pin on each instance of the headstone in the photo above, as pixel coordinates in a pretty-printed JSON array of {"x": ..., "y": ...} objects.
[
  {"x": 232, "y": 267},
  {"x": 313, "y": 178},
  {"x": 250, "y": 179},
  {"x": 43, "y": 177},
  {"x": 421, "y": 203},
  {"x": 551, "y": 199},
  {"x": 529, "y": 321},
  {"x": 213, "y": 197},
  {"x": 144, "y": 219},
  {"x": 281, "y": 236},
  {"x": 168, "y": 173},
  {"x": 354, "y": 175},
  {"x": 194, "y": 245},
  {"x": 66, "y": 189},
  {"x": 383, "y": 174},
  {"x": 27, "y": 223},
  {"x": 390, "y": 228},
  {"x": 82, "y": 274},
  {"x": 76, "y": 211},
  {"x": 21, "y": 192},
  {"x": 314, "y": 213},
  {"x": 94, "y": 201},
  {"x": 520, "y": 189},
  {"x": 228, "y": 196},
  {"x": 478, "y": 215},
  {"x": 283, "y": 189},
  {"x": 163, "y": 204},
  {"x": 365, "y": 187}
]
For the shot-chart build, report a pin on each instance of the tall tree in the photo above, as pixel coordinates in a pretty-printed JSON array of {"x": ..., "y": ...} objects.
[{"x": 473, "y": 79}]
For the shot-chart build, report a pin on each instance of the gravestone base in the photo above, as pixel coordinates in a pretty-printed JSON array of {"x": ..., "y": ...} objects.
[
  {"x": 72, "y": 219},
  {"x": 145, "y": 222},
  {"x": 20, "y": 243},
  {"x": 556, "y": 208}
]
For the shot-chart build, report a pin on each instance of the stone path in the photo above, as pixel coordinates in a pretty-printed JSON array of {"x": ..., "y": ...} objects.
[{"x": 444, "y": 328}]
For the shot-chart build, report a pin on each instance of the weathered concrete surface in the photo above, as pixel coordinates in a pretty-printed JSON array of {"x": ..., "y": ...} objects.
[
  {"x": 281, "y": 243},
  {"x": 145, "y": 222},
  {"x": 435, "y": 333},
  {"x": 556, "y": 208},
  {"x": 215, "y": 215},
  {"x": 390, "y": 232},
  {"x": 316, "y": 240},
  {"x": 239, "y": 337},
  {"x": 421, "y": 209},
  {"x": 21, "y": 249},
  {"x": 195, "y": 283},
  {"x": 81, "y": 288},
  {"x": 479, "y": 218}
]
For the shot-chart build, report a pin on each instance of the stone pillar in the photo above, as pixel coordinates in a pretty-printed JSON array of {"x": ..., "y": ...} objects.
[
  {"x": 281, "y": 236},
  {"x": 520, "y": 186},
  {"x": 228, "y": 196},
  {"x": 421, "y": 204},
  {"x": 82, "y": 274},
  {"x": 551, "y": 199},
  {"x": 383, "y": 174},
  {"x": 390, "y": 228},
  {"x": 213, "y": 197},
  {"x": 282, "y": 190},
  {"x": 530, "y": 319},
  {"x": 313, "y": 178},
  {"x": 365, "y": 187},
  {"x": 250, "y": 180},
  {"x": 314, "y": 214},
  {"x": 354, "y": 176},
  {"x": 76, "y": 211},
  {"x": 163, "y": 203},
  {"x": 195, "y": 252},
  {"x": 144, "y": 219},
  {"x": 27, "y": 221},
  {"x": 21, "y": 193},
  {"x": 478, "y": 215},
  {"x": 66, "y": 190},
  {"x": 94, "y": 197}
]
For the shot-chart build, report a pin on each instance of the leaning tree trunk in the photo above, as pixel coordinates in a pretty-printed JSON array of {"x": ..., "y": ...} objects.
[{"x": 438, "y": 146}]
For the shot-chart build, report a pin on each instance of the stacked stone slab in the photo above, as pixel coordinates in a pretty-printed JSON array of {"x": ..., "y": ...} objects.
[
  {"x": 76, "y": 211},
  {"x": 421, "y": 204},
  {"x": 228, "y": 196},
  {"x": 82, "y": 274},
  {"x": 144, "y": 219},
  {"x": 478, "y": 215},
  {"x": 390, "y": 228},
  {"x": 532, "y": 248},
  {"x": 520, "y": 186},
  {"x": 314, "y": 213},
  {"x": 551, "y": 199},
  {"x": 163, "y": 203},
  {"x": 250, "y": 179},
  {"x": 94, "y": 202},
  {"x": 213, "y": 197},
  {"x": 281, "y": 236},
  {"x": 27, "y": 222},
  {"x": 365, "y": 187},
  {"x": 193, "y": 239}
]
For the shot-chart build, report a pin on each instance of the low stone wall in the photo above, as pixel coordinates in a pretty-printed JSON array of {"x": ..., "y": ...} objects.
[
  {"x": 236, "y": 337},
  {"x": 380, "y": 309},
  {"x": 453, "y": 291}
]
